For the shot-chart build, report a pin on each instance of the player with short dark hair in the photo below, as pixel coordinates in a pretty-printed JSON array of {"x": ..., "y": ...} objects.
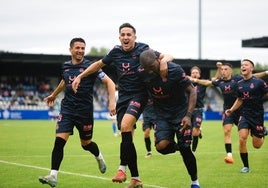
[
  {"x": 174, "y": 100},
  {"x": 76, "y": 109},
  {"x": 227, "y": 83},
  {"x": 197, "y": 116},
  {"x": 132, "y": 95},
  {"x": 251, "y": 91}
]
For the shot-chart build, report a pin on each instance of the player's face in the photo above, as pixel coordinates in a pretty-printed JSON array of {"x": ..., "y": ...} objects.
[
  {"x": 78, "y": 51},
  {"x": 246, "y": 68},
  {"x": 152, "y": 68},
  {"x": 127, "y": 38},
  {"x": 226, "y": 72},
  {"x": 195, "y": 73}
]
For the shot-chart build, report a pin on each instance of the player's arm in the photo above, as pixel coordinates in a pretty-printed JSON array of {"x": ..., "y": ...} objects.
[
  {"x": 261, "y": 74},
  {"x": 51, "y": 98},
  {"x": 164, "y": 59},
  {"x": 235, "y": 106},
  {"x": 111, "y": 91},
  {"x": 192, "y": 95},
  {"x": 201, "y": 81},
  {"x": 218, "y": 72},
  {"x": 94, "y": 67}
]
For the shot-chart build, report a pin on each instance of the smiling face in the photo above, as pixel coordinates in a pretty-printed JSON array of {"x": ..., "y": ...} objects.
[
  {"x": 127, "y": 38},
  {"x": 246, "y": 68},
  {"x": 77, "y": 51}
]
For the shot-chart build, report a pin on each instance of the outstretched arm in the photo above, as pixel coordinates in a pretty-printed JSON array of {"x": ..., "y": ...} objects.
[
  {"x": 51, "y": 98},
  {"x": 261, "y": 74},
  {"x": 94, "y": 67},
  {"x": 201, "y": 81}
]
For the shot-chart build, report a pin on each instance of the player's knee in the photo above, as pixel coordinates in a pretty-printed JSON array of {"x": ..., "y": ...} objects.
[
  {"x": 59, "y": 143},
  {"x": 170, "y": 148}
]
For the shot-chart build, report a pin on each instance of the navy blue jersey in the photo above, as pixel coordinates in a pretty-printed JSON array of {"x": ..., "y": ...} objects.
[
  {"x": 169, "y": 98},
  {"x": 201, "y": 93},
  {"x": 229, "y": 90},
  {"x": 80, "y": 103},
  {"x": 252, "y": 92},
  {"x": 126, "y": 66}
]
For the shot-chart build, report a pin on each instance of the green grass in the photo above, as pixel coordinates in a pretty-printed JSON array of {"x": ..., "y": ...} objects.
[{"x": 25, "y": 149}]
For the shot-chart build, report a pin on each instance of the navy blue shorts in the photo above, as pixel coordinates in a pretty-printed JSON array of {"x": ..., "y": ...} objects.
[
  {"x": 255, "y": 125},
  {"x": 197, "y": 118},
  {"x": 67, "y": 122},
  {"x": 167, "y": 131},
  {"x": 231, "y": 119},
  {"x": 133, "y": 106}
]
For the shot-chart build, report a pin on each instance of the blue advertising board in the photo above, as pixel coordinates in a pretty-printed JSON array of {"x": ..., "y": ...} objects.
[{"x": 98, "y": 115}]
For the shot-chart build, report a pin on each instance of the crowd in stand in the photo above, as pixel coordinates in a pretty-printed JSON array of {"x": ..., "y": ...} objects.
[
  {"x": 29, "y": 92},
  {"x": 23, "y": 93}
]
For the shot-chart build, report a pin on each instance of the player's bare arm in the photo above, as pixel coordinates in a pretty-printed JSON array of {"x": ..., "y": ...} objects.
[
  {"x": 201, "y": 81},
  {"x": 235, "y": 106},
  {"x": 218, "y": 72},
  {"x": 164, "y": 59},
  {"x": 94, "y": 67},
  {"x": 111, "y": 91},
  {"x": 51, "y": 98},
  {"x": 186, "y": 121}
]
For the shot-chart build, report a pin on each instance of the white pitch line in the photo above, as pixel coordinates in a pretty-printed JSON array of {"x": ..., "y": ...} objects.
[{"x": 70, "y": 173}]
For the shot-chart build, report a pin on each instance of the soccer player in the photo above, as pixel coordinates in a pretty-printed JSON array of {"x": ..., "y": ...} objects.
[
  {"x": 174, "y": 100},
  {"x": 132, "y": 95},
  {"x": 197, "y": 116},
  {"x": 251, "y": 91},
  {"x": 228, "y": 86},
  {"x": 148, "y": 116},
  {"x": 76, "y": 109}
]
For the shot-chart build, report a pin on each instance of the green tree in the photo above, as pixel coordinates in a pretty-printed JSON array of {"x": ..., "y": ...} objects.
[{"x": 98, "y": 52}]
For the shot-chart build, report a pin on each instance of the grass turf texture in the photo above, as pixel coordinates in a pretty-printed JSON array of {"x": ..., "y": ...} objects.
[{"x": 25, "y": 152}]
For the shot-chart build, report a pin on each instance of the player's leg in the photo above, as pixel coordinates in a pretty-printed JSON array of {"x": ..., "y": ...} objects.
[
  {"x": 164, "y": 138},
  {"x": 196, "y": 133},
  {"x": 184, "y": 142},
  {"x": 243, "y": 135},
  {"x": 196, "y": 123},
  {"x": 85, "y": 127},
  {"x": 258, "y": 132},
  {"x": 146, "y": 127},
  {"x": 227, "y": 128},
  {"x": 63, "y": 131}
]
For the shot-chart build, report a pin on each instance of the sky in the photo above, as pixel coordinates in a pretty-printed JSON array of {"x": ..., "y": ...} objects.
[{"x": 168, "y": 26}]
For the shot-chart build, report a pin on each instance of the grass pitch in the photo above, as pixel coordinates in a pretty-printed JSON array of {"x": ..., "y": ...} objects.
[{"x": 25, "y": 152}]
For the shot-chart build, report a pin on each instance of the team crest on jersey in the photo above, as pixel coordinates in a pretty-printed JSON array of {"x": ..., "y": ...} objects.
[
  {"x": 71, "y": 79},
  {"x": 227, "y": 88},
  {"x": 81, "y": 70},
  {"x": 125, "y": 66},
  {"x": 251, "y": 85},
  {"x": 158, "y": 91},
  {"x": 245, "y": 95}
]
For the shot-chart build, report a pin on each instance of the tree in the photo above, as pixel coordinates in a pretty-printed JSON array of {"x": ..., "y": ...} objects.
[{"x": 98, "y": 52}]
